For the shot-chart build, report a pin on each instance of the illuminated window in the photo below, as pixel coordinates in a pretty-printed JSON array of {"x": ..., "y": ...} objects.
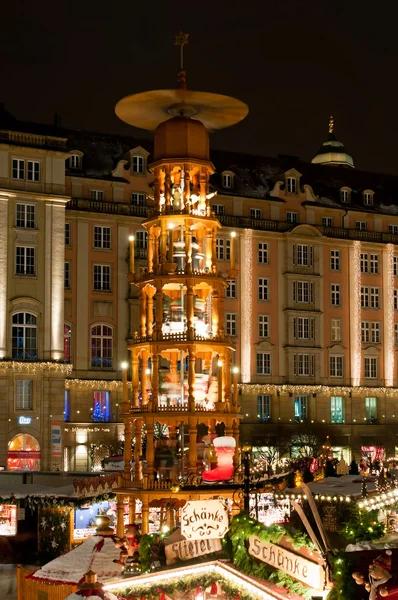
[
  {"x": 336, "y": 366},
  {"x": 102, "y": 278},
  {"x": 138, "y": 164},
  {"x": 256, "y": 213},
  {"x": 102, "y": 237},
  {"x": 361, "y": 225},
  {"x": 101, "y": 407},
  {"x": 335, "y": 260},
  {"x": 337, "y": 409},
  {"x": 263, "y": 289},
  {"x": 24, "y": 336},
  {"x": 344, "y": 196},
  {"x": 227, "y": 180},
  {"x": 263, "y": 361},
  {"x": 292, "y": 217},
  {"x": 263, "y": 407},
  {"x": 98, "y": 195},
  {"x": 300, "y": 408},
  {"x": 24, "y": 396},
  {"x": 335, "y": 330},
  {"x": 26, "y": 216},
  {"x": 371, "y": 409},
  {"x": 291, "y": 185},
  {"x": 230, "y": 292},
  {"x": 263, "y": 326},
  {"x": 67, "y": 406},
  {"x": 263, "y": 253},
  {"x": 393, "y": 229},
  {"x": 101, "y": 346},
  {"x": 327, "y": 221},
  {"x": 230, "y": 320},
  {"x": 335, "y": 294},
  {"x": 370, "y": 367},
  {"x": 137, "y": 199},
  {"x": 25, "y": 263},
  {"x": 67, "y": 343}
]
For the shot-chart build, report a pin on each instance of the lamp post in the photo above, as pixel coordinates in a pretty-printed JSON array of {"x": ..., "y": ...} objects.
[
  {"x": 132, "y": 267},
  {"x": 235, "y": 372}
]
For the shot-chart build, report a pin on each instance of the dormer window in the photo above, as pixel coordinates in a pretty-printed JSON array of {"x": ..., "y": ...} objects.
[
  {"x": 345, "y": 194},
  {"x": 138, "y": 164},
  {"x": 291, "y": 184},
  {"x": 227, "y": 180},
  {"x": 75, "y": 162},
  {"x": 368, "y": 198}
]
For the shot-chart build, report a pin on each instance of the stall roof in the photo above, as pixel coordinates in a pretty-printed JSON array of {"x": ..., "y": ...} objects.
[
  {"x": 97, "y": 554},
  {"x": 346, "y": 485},
  {"x": 20, "y": 490}
]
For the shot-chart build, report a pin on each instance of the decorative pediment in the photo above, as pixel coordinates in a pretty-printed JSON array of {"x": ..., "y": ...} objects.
[
  {"x": 306, "y": 230},
  {"x": 264, "y": 345}
]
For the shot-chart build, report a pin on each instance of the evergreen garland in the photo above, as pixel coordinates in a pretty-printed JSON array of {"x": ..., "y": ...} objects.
[
  {"x": 362, "y": 525},
  {"x": 243, "y": 527},
  {"x": 344, "y": 586},
  {"x": 33, "y": 502}
]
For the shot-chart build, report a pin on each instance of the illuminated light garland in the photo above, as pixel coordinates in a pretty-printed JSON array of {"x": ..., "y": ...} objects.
[
  {"x": 270, "y": 388},
  {"x": 389, "y": 300},
  {"x": 242, "y": 581},
  {"x": 322, "y": 497},
  {"x": 355, "y": 313},
  {"x": 379, "y": 501},
  {"x": 34, "y": 367},
  {"x": 96, "y": 384},
  {"x": 247, "y": 306}
]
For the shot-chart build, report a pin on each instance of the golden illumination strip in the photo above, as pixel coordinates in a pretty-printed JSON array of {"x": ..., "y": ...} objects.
[
  {"x": 97, "y": 384},
  {"x": 247, "y": 306},
  {"x": 3, "y": 275},
  {"x": 269, "y": 388},
  {"x": 33, "y": 367},
  {"x": 355, "y": 313},
  {"x": 389, "y": 341}
]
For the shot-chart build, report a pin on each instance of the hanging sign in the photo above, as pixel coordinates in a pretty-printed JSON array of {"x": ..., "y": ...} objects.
[
  {"x": 187, "y": 549},
  {"x": 204, "y": 519},
  {"x": 55, "y": 439},
  {"x": 296, "y": 566}
]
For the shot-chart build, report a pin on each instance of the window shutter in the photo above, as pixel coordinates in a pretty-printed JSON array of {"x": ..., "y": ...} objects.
[
  {"x": 312, "y": 364},
  {"x": 295, "y": 328},
  {"x": 311, "y": 257},
  {"x": 294, "y": 364},
  {"x": 311, "y": 292},
  {"x": 294, "y": 254},
  {"x": 294, "y": 291},
  {"x": 312, "y": 334}
]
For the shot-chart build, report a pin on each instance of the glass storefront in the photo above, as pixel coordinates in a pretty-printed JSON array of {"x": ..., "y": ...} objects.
[{"x": 23, "y": 453}]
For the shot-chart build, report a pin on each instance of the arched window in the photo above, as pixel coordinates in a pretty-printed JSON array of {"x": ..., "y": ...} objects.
[
  {"x": 75, "y": 162},
  {"x": 101, "y": 346},
  {"x": 24, "y": 336},
  {"x": 23, "y": 453},
  {"x": 67, "y": 343}
]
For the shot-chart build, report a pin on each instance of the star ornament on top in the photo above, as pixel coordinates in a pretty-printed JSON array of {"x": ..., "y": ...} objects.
[{"x": 181, "y": 39}]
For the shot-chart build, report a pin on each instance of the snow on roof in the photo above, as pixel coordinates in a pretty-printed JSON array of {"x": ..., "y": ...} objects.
[
  {"x": 20, "y": 490},
  {"x": 96, "y": 553},
  {"x": 346, "y": 485}
]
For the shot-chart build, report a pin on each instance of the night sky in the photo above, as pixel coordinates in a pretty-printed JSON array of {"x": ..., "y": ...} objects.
[{"x": 293, "y": 62}]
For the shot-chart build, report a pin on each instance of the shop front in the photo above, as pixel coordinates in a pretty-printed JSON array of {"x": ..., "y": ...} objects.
[{"x": 23, "y": 453}]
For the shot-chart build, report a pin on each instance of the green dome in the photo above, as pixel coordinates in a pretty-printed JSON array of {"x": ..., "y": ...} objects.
[{"x": 332, "y": 152}]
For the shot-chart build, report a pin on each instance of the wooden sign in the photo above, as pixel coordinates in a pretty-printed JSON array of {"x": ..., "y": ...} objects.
[
  {"x": 204, "y": 519},
  {"x": 296, "y": 566},
  {"x": 187, "y": 549}
]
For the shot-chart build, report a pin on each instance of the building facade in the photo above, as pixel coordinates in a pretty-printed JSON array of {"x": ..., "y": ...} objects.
[{"x": 313, "y": 312}]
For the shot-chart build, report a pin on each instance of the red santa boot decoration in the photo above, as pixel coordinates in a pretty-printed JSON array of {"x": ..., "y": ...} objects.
[{"x": 224, "y": 448}]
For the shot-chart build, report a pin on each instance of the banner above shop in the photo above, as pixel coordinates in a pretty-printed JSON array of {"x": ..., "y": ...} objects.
[{"x": 204, "y": 519}]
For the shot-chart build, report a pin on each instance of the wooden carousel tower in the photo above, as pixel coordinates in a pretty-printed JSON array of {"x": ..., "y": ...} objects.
[{"x": 181, "y": 299}]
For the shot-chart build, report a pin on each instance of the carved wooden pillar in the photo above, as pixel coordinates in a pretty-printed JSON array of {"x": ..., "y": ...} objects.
[
  {"x": 159, "y": 313},
  {"x": 190, "y": 312},
  {"x": 135, "y": 378},
  {"x": 163, "y": 243},
  {"x": 145, "y": 514},
  {"x": 127, "y": 449},
  {"x": 155, "y": 381},
  {"x": 151, "y": 248},
  {"x": 214, "y": 312},
  {"x": 191, "y": 379},
  {"x": 193, "y": 453},
  {"x": 214, "y": 250},
  {"x": 119, "y": 516},
  {"x": 227, "y": 380},
  {"x": 142, "y": 297},
  {"x": 167, "y": 187},
  {"x": 150, "y": 295},
  {"x": 150, "y": 451},
  {"x": 138, "y": 451}
]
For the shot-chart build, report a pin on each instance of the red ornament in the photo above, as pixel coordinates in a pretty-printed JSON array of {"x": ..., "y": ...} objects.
[{"x": 213, "y": 589}]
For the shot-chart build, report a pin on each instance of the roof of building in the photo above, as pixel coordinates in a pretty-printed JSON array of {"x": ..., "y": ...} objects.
[{"x": 255, "y": 176}]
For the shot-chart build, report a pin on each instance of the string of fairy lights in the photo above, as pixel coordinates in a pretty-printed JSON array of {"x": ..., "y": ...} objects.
[
  {"x": 389, "y": 363},
  {"x": 247, "y": 306},
  {"x": 355, "y": 280}
]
